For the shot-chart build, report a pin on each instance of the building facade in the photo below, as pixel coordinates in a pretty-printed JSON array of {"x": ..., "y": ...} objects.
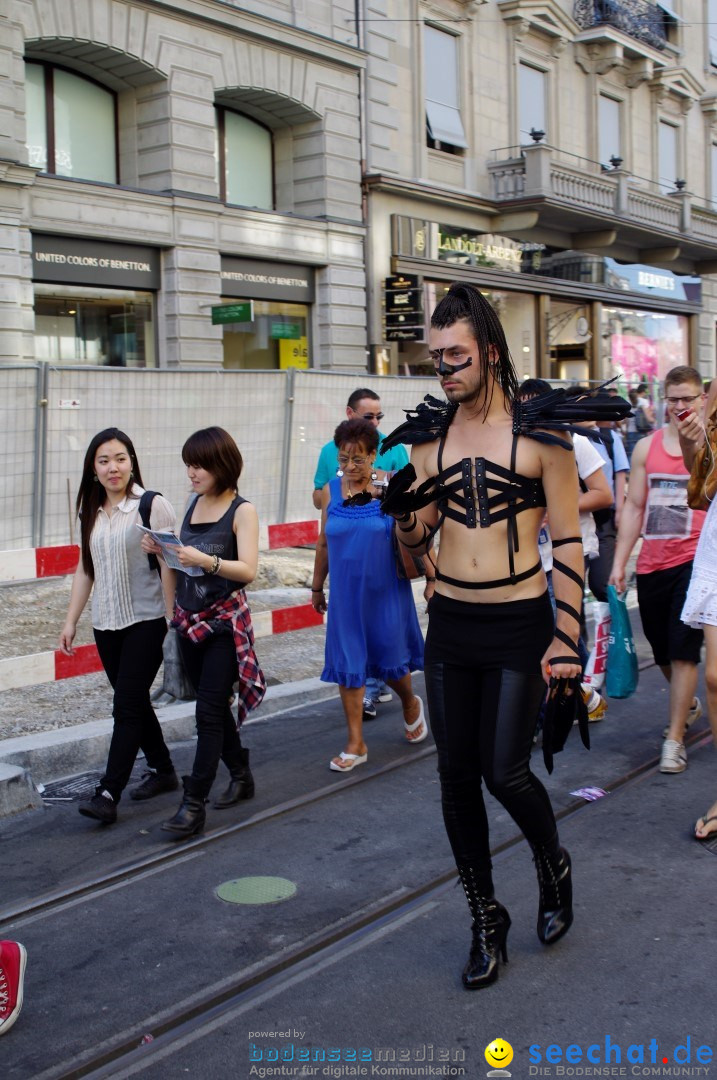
[
  {"x": 563, "y": 156},
  {"x": 180, "y": 184},
  {"x": 198, "y": 183}
]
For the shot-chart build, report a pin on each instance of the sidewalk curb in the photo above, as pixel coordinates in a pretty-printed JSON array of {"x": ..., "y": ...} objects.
[{"x": 50, "y": 755}]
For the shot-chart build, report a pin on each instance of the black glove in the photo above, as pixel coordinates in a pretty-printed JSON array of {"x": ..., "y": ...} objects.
[
  {"x": 563, "y": 706},
  {"x": 399, "y": 501}
]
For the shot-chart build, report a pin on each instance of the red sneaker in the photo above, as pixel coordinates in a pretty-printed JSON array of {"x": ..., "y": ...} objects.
[{"x": 13, "y": 958}]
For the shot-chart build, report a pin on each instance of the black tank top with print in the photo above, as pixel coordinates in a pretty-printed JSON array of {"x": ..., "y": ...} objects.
[{"x": 215, "y": 538}]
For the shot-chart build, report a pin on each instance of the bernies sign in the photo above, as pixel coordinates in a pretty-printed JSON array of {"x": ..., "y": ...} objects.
[{"x": 69, "y": 260}]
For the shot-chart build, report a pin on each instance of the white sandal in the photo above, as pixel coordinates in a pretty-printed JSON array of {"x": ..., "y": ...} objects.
[
  {"x": 352, "y": 760},
  {"x": 410, "y": 728}
]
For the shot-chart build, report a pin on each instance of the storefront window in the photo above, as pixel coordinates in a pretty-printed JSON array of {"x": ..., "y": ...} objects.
[
  {"x": 642, "y": 346},
  {"x": 94, "y": 326},
  {"x": 81, "y": 140},
  {"x": 516, "y": 311},
  {"x": 569, "y": 341},
  {"x": 271, "y": 334}
]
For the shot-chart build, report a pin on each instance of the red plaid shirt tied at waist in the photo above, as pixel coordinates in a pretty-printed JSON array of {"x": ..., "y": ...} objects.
[{"x": 198, "y": 625}]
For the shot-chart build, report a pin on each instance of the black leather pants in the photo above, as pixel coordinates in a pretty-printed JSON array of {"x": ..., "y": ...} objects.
[{"x": 483, "y": 721}]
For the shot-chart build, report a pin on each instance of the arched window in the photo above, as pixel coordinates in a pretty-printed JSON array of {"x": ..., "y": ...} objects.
[
  {"x": 246, "y": 161},
  {"x": 71, "y": 124}
]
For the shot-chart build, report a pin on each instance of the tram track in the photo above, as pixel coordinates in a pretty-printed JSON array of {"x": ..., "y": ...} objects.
[
  {"x": 25, "y": 911},
  {"x": 123, "y": 1056}
]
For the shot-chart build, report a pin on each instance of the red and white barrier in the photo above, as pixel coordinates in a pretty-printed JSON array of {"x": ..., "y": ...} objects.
[
  {"x": 53, "y": 665},
  {"x": 27, "y": 564}
]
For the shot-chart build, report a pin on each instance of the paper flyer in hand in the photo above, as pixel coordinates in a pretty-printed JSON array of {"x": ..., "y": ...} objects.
[{"x": 169, "y": 542}]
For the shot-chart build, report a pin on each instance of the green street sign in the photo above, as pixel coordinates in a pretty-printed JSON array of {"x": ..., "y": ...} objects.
[
  {"x": 286, "y": 330},
  {"x": 228, "y": 313}
]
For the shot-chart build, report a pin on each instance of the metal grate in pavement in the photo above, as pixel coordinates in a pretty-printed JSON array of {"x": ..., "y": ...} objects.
[{"x": 72, "y": 787}]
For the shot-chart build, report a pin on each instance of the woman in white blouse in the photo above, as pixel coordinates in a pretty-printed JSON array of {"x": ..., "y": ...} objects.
[{"x": 130, "y": 606}]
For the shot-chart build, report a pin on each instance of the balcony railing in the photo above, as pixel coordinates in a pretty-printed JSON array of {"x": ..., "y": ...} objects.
[
  {"x": 545, "y": 172},
  {"x": 638, "y": 18}
]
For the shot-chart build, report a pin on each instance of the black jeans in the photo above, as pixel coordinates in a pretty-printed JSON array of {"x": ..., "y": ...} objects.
[
  {"x": 483, "y": 718},
  {"x": 212, "y": 669},
  {"x": 131, "y": 658}
]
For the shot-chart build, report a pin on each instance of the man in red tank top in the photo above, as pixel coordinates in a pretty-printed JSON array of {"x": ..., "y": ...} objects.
[{"x": 656, "y": 508}]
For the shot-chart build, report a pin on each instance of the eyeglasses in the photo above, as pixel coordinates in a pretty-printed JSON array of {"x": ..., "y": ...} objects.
[
  {"x": 684, "y": 400},
  {"x": 344, "y": 460},
  {"x": 371, "y": 416}
]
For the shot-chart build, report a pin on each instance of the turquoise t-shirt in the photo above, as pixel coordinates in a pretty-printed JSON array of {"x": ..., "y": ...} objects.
[{"x": 329, "y": 461}]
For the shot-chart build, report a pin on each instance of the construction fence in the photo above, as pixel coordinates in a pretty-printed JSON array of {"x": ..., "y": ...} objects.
[{"x": 280, "y": 420}]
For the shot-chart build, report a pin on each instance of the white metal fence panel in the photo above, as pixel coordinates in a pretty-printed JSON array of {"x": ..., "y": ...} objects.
[
  {"x": 19, "y": 396},
  {"x": 320, "y": 405},
  {"x": 159, "y": 410},
  {"x": 279, "y": 419}
]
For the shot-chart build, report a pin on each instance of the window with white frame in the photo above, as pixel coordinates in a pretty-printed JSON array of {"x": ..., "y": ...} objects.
[
  {"x": 246, "y": 161},
  {"x": 532, "y": 101},
  {"x": 444, "y": 127},
  {"x": 609, "y": 134},
  {"x": 667, "y": 156},
  {"x": 71, "y": 124}
]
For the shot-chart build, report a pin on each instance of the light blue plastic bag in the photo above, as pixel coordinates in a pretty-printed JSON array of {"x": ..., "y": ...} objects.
[{"x": 622, "y": 671}]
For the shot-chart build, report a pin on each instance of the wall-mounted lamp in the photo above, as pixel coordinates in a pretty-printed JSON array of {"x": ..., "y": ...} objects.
[{"x": 537, "y": 135}]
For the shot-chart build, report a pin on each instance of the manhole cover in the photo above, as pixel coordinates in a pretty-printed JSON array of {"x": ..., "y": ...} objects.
[{"x": 256, "y": 890}]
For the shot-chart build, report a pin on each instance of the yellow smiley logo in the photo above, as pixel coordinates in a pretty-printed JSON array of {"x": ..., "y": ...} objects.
[{"x": 499, "y": 1053}]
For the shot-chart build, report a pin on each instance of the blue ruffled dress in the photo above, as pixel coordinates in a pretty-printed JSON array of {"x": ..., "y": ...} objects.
[{"x": 372, "y": 627}]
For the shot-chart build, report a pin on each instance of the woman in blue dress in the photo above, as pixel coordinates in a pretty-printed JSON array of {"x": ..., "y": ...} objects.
[{"x": 372, "y": 627}]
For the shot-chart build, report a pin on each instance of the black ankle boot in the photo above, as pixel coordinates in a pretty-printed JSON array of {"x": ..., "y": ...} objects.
[
  {"x": 490, "y": 933},
  {"x": 491, "y": 923},
  {"x": 555, "y": 914},
  {"x": 191, "y": 815},
  {"x": 241, "y": 785}
]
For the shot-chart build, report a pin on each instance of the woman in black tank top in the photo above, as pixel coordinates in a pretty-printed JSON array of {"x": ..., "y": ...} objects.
[{"x": 220, "y": 532}]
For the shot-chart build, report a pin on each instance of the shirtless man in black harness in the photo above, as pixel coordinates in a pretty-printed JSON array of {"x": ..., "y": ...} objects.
[{"x": 492, "y": 643}]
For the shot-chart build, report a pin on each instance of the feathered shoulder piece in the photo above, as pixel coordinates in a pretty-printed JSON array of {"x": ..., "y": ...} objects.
[
  {"x": 558, "y": 412},
  {"x": 427, "y": 422}
]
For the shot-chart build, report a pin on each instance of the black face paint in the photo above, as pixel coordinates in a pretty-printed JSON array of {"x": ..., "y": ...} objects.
[{"x": 443, "y": 369}]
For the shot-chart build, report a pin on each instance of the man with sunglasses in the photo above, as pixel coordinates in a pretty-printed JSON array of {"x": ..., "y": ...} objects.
[
  {"x": 363, "y": 404},
  {"x": 656, "y": 508}
]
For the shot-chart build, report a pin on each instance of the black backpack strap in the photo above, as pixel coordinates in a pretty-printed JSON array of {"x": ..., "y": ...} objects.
[{"x": 145, "y": 509}]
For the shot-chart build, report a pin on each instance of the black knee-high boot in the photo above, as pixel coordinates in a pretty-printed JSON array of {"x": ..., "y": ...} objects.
[
  {"x": 491, "y": 923},
  {"x": 241, "y": 785},
  {"x": 555, "y": 914}
]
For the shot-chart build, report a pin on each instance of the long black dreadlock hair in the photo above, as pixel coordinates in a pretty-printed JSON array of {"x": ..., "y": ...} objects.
[{"x": 467, "y": 302}]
